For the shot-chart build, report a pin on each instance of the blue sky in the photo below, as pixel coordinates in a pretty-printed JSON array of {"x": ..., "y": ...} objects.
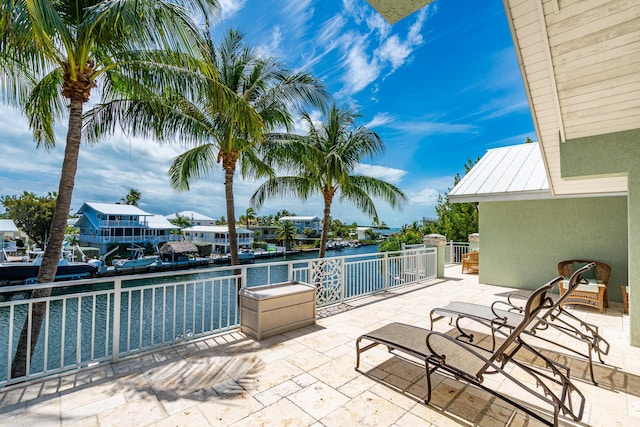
[{"x": 440, "y": 87}]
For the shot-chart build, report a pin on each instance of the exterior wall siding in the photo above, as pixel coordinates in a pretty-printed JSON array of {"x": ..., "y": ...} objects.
[{"x": 521, "y": 242}]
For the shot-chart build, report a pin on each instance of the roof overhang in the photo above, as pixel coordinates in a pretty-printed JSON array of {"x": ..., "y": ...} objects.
[{"x": 394, "y": 10}]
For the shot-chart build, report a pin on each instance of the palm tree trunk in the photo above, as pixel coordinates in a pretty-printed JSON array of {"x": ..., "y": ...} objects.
[
  {"x": 231, "y": 213},
  {"x": 49, "y": 266},
  {"x": 326, "y": 218}
]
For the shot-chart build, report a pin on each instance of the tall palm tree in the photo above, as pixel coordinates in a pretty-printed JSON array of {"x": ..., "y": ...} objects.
[
  {"x": 324, "y": 162},
  {"x": 263, "y": 84},
  {"x": 54, "y": 53}
]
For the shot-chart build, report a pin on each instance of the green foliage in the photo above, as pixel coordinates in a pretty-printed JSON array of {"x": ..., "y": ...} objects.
[
  {"x": 456, "y": 220},
  {"x": 260, "y": 245},
  {"x": 132, "y": 198},
  {"x": 31, "y": 213},
  {"x": 286, "y": 232},
  {"x": 309, "y": 233},
  {"x": 394, "y": 243}
]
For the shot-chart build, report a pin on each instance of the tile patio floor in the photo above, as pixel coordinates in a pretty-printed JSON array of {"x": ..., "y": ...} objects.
[{"x": 307, "y": 377}]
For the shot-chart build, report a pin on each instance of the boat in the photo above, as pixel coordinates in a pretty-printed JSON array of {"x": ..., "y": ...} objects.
[
  {"x": 246, "y": 256},
  {"x": 27, "y": 272}
]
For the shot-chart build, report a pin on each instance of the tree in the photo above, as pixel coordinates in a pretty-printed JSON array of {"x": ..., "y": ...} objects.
[
  {"x": 323, "y": 163},
  {"x": 31, "y": 213},
  {"x": 55, "y": 52},
  {"x": 286, "y": 232},
  {"x": 250, "y": 216},
  {"x": 228, "y": 137},
  {"x": 132, "y": 198},
  {"x": 456, "y": 220},
  {"x": 181, "y": 221}
]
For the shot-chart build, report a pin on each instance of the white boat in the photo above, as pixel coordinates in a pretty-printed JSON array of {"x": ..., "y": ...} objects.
[{"x": 138, "y": 260}]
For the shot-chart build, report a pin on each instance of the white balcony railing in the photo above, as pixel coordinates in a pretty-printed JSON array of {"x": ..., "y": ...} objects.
[
  {"x": 131, "y": 314},
  {"x": 128, "y": 239},
  {"x": 454, "y": 251}
]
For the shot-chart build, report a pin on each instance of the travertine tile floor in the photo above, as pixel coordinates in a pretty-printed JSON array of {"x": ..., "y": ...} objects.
[{"x": 307, "y": 377}]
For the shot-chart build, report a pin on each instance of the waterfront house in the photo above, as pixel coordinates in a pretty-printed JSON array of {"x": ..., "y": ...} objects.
[
  {"x": 195, "y": 217},
  {"x": 103, "y": 224},
  {"x": 218, "y": 236},
  {"x": 302, "y": 222},
  {"x": 8, "y": 229}
]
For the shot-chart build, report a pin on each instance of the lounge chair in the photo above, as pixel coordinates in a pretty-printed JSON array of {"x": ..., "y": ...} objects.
[
  {"x": 469, "y": 363},
  {"x": 509, "y": 317}
]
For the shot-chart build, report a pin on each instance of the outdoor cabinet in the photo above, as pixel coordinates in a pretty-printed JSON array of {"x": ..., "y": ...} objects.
[{"x": 270, "y": 310}]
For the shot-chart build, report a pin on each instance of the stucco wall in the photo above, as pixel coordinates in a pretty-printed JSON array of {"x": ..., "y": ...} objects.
[{"x": 521, "y": 242}]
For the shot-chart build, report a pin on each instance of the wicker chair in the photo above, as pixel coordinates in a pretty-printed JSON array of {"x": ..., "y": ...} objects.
[
  {"x": 591, "y": 295},
  {"x": 471, "y": 262}
]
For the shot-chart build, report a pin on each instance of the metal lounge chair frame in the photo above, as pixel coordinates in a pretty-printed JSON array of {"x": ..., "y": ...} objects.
[
  {"x": 557, "y": 319},
  {"x": 470, "y": 363}
]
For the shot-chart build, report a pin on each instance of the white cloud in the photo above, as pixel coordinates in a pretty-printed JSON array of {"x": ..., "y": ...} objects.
[
  {"x": 394, "y": 51},
  {"x": 360, "y": 70},
  {"x": 380, "y": 119},
  {"x": 425, "y": 128},
  {"x": 385, "y": 173},
  {"x": 427, "y": 196},
  {"x": 229, "y": 8}
]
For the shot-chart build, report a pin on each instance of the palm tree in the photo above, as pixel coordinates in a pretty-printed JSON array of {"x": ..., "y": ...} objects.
[
  {"x": 132, "y": 198},
  {"x": 53, "y": 54},
  {"x": 267, "y": 88},
  {"x": 250, "y": 216},
  {"x": 286, "y": 232},
  {"x": 323, "y": 163}
]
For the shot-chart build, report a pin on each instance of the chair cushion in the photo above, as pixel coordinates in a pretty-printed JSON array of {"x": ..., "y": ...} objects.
[{"x": 589, "y": 274}]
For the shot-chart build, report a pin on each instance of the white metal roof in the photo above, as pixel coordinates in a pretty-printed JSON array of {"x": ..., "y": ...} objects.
[
  {"x": 299, "y": 218},
  {"x": 191, "y": 215},
  {"x": 159, "y": 222},
  {"x": 506, "y": 173},
  {"x": 113, "y": 209},
  {"x": 214, "y": 229},
  {"x": 8, "y": 226}
]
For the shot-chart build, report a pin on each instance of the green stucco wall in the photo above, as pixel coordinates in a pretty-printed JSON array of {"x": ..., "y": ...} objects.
[
  {"x": 613, "y": 154},
  {"x": 521, "y": 242}
]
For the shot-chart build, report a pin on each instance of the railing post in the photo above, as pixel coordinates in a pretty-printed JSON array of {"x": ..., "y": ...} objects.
[
  {"x": 117, "y": 296},
  {"x": 386, "y": 272},
  {"x": 342, "y": 280}
]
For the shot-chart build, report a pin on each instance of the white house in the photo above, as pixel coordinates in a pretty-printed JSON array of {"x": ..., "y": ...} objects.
[
  {"x": 218, "y": 235},
  {"x": 361, "y": 232},
  {"x": 195, "y": 217},
  {"x": 102, "y": 224},
  {"x": 8, "y": 229},
  {"x": 302, "y": 222}
]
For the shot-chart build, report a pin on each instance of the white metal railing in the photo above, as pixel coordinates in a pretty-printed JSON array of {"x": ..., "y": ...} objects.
[
  {"x": 129, "y": 239},
  {"x": 100, "y": 320},
  {"x": 9, "y": 246},
  {"x": 453, "y": 252}
]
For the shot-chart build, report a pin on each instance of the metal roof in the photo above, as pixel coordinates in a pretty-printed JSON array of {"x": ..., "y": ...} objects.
[
  {"x": 8, "y": 226},
  {"x": 191, "y": 215},
  {"x": 113, "y": 209},
  {"x": 158, "y": 222},
  {"x": 506, "y": 173},
  {"x": 215, "y": 229},
  {"x": 299, "y": 218}
]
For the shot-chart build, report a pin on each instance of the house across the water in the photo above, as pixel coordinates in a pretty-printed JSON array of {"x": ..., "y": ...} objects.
[
  {"x": 103, "y": 224},
  {"x": 302, "y": 222},
  {"x": 218, "y": 236}
]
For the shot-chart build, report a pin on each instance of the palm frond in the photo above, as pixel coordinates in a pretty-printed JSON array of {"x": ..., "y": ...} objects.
[
  {"x": 44, "y": 106},
  {"x": 282, "y": 187},
  {"x": 193, "y": 164}
]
